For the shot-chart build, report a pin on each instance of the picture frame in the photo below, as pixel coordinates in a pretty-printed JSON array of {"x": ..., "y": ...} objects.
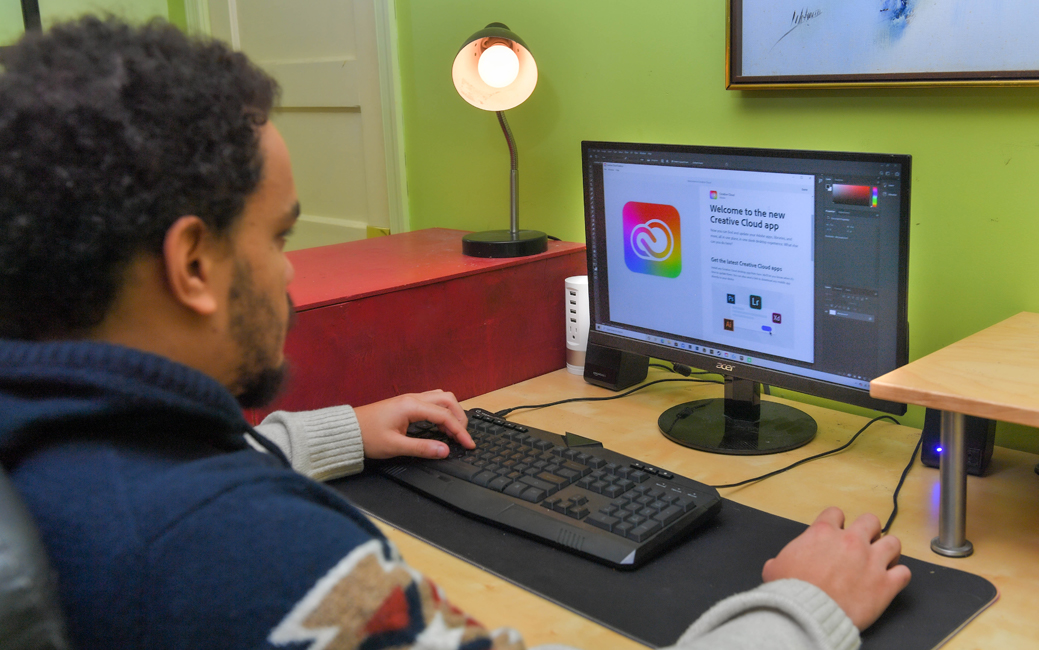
[{"x": 776, "y": 44}]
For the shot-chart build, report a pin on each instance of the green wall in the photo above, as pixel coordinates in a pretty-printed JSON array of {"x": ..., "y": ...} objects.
[
  {"x": 10, "y": 21},
  {"x": 132, "y": 10},
  {"x": 51, "y": 11},
  {"x": 654, "y": 72}
]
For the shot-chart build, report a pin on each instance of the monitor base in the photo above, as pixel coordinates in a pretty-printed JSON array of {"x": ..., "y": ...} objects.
[{"x": 704, "y": 425}]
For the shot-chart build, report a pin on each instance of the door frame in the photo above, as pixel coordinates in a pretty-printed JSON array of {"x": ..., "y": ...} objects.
[{"x": 197, "y": 15}]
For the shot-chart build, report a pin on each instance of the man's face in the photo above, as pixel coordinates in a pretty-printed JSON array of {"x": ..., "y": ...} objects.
[{"x": 259, "y": 308}]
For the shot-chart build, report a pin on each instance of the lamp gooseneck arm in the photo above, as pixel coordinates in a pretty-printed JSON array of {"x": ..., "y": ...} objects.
[{"x": 513, "y": 175}]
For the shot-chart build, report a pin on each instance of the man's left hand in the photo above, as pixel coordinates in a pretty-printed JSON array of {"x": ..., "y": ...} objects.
[{"x": 384, "y": 425}]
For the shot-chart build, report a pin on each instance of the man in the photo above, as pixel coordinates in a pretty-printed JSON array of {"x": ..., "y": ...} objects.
[{"x": 144, "y": 204}]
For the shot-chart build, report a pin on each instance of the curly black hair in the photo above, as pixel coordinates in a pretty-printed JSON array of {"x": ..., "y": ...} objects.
[{"x": 108, "y": 134}]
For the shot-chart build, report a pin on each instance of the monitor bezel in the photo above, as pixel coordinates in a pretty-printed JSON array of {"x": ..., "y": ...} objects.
[{"x": 780, "y": 379}]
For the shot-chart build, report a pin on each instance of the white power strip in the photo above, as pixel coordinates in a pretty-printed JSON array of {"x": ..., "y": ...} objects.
[{"x": 576, "y": 304}]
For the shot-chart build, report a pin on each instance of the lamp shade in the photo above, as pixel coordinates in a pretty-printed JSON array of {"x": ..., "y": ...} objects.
[{"x": 494, "y": 70}]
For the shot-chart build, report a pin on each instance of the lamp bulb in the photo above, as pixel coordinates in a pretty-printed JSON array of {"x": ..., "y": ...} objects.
[{"x": 498, "y": 66}]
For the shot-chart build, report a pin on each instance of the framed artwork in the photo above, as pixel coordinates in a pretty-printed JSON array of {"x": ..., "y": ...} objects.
[{"x": 843, "y": 43}]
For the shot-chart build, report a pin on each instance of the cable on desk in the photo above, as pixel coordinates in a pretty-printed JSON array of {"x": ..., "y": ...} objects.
[
  {"x": 502, "y": 413},
  {"x": 681, "y": 369},
  {"x": 898, "y": 488},
  {"x": 686, "y": 370},
  {"x": 810, "y": 458}
]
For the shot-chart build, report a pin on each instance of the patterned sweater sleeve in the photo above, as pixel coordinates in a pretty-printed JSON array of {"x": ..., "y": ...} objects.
[
  {"x": 780, "y": 615},
  {"x": 324, "y": 444}
]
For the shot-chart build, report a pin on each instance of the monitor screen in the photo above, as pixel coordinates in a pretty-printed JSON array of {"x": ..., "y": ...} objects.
[{"x": 782, "y": 267}]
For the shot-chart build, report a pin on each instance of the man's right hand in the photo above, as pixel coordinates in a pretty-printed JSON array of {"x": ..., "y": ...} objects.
[{"x": 855, "y": 566}]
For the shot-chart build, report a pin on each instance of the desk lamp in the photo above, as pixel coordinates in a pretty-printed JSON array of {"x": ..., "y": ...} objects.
[{"x": 494, "y": 71}]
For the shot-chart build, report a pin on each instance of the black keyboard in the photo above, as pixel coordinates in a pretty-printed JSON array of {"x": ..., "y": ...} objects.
[{"x": 568, "y": 491}]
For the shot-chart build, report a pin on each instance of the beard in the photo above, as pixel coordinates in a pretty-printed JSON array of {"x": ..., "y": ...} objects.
[{"x": 259, "y": 334}]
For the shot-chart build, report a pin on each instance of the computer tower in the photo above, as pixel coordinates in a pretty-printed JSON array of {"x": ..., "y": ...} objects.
[
  {"x": 613, "y": 369},
  {"x": 981, "y": 435}
]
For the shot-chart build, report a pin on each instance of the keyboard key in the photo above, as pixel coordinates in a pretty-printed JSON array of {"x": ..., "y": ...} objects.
[
  {"x": 575, "y": 467},
  {"x": 499, "y": 484},
  {"x": 458, "y": 469},
  {"x": 600, "y": 520},
  {"x": 669, "y": 514},
  {"x": 622, "y": 528},
  {"x": 557, "y": 481},
  {"x": 515, "y": 489},
  {"x": 483, "y": 478},
  {"x": 643, "y": 531},
  {"x": 544, "y": 486},
  {"x": 577, "y": 513},
  {"x": 533, "y": 495}
]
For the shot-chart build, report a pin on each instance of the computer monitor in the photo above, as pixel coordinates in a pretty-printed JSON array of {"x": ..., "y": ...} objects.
[{"x": 782, "y": 267}]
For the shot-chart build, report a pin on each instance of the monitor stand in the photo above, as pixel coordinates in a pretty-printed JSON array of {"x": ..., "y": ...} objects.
[{"x": 739, "y": 423}]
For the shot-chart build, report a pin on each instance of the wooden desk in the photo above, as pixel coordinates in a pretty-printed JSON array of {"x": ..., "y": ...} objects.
[
  {"x": 860, "y": 479},
  {"x": 992, "y": 374}
]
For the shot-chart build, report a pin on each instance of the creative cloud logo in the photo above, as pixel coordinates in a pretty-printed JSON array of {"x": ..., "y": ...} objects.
[
  {"x": 714, "y": 194},
  {"x": 652, "y": 239}
]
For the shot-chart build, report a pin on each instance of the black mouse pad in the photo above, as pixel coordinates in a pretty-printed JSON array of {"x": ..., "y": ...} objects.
[{"x": 656, "y": 603}]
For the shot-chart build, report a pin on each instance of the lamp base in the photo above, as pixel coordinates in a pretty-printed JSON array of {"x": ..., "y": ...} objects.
[{"x": 502, "y": 243}]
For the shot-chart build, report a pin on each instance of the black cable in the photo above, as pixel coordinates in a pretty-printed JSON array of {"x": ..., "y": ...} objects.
[
  {"x": 810, "y": 458},
  {"x": 898, "y": 488},
  {"x": 894, "y": 497},
  {"x": 502, "y": 413},
  {"x": 680, "y": 369}
]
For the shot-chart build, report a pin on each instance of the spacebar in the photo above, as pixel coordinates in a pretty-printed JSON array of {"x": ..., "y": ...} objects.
[{"x": 456, "y": 468}]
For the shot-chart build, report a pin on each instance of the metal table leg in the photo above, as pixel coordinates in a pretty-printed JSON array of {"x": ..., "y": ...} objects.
[{"x": 952, "y": 509}]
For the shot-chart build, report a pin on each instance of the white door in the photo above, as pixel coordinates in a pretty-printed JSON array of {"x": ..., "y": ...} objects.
[{"x": 340, "y": 129}]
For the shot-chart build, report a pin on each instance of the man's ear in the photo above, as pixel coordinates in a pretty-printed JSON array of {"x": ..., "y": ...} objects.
[{"x": 191, "y": 252}]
